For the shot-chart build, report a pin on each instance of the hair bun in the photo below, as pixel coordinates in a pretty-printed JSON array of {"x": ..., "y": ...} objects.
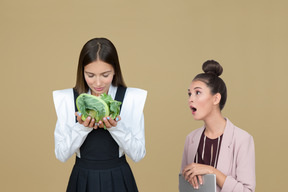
[{"x": 212, "y": 67}]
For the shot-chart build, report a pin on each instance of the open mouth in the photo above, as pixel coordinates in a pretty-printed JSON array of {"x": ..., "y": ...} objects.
[{"x": 193, "y": 109}]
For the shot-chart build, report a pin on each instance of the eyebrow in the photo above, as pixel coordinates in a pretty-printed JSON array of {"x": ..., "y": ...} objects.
[
  {"x": 107, "y": 72},
  {"x": 195, "y": 88},
  {"x": 100, "y": 73}
]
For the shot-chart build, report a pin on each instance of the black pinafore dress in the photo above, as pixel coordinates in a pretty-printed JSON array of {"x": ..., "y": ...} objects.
[{"x": 100, "y": 169}]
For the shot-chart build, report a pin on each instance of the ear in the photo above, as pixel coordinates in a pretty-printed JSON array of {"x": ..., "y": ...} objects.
[{"x": 217, "y": 98}]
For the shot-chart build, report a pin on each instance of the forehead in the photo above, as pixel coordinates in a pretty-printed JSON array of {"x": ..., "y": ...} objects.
[
  {"x": 98, "y": 67},
  {"x": 198, "y": 85}
]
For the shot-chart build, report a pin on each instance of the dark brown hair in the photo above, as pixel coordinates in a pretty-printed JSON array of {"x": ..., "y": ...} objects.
[
  {"x": 98, "y": 49},
  {"x": 212, "y": 70}
]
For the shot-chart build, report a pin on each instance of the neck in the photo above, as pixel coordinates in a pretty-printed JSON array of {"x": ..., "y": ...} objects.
[{"x": 215, "y": 126}]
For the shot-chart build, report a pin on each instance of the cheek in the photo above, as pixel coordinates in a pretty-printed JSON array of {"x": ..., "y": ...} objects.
[
  {"x": 89, "y": 81},
  {"x": 108, "y": 80},
  {"x": 205, "y": 102},
  {"x": 208, "y": 105}
]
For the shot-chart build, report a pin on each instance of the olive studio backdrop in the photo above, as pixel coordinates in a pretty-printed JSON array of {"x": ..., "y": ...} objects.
[{"x": 162, "y": 45}]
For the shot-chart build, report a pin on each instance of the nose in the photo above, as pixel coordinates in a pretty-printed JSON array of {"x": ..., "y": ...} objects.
[
  {"x": 190, "y": 99},
  {"x": 97, "y": 81}
]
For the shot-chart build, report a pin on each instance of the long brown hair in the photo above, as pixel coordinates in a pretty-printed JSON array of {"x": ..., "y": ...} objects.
[{"x": 98, "y": 49}]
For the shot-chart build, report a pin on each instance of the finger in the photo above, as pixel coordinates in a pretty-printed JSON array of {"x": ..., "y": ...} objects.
[
  {"x": 200, "y": 179},
  {"x": 87, "y": 121},
  {"x": 118, "y": 118},
  {"x": 189, "y": 167},
  {"x": 191, "y": 181},
  {"x": 195, "y": 182},
  {"x": 92, "y": 123},
  {"x": 113, "y": 122},
  {"x": 187, "y": 174},
  {"x": 185, "y": 170},
  {"x": 95, "y": 126},
  {"x": 100, "y": 124},
  {"x": 106, "y": 122},
  {"x": 78, "y": 115}
]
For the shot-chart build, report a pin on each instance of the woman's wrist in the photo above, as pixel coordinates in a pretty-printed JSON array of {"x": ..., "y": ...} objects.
[
  {"x": 211, "y": 170},
  {"x": 220, "y": 177}
]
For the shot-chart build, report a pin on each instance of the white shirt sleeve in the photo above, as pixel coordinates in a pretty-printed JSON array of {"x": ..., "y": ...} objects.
[
  {"x": 69, "y": 136},
  {"x": 129, "y": 132}
]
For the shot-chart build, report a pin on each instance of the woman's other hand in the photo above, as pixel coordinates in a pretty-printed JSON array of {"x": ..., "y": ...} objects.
[
  {"x": 109, "y": 122},
  {"x": 89, "y": 122}
]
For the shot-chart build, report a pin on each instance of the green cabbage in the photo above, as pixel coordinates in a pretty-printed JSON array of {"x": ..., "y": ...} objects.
[{"x": 97, "y": 107}]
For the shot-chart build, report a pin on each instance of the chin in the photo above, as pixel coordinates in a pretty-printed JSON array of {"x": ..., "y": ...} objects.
[
  {"x": 96, "y": 93},
  {"x": 197, "y": 118}
]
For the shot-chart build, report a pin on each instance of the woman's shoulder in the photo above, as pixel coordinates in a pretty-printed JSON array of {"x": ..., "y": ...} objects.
[
  {"x": 136, "y": 94},
  {"x": 195, "y": 132},
  {"x": 136, "y": 91},
  {"x": 64, "y": 105},
  {"x": 131, "y": 92},
  {"x": 64, "y": 94},
  {"x": 242, "y": 135},
  {"x": 134, "y": 101},
  {"x": 239, "y": 133}
]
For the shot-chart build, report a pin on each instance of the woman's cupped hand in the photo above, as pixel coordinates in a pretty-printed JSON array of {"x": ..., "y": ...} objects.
[{"x": 107, "y": 122}]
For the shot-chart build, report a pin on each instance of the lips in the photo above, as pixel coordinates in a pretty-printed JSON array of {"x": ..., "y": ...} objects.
[
  {"x": 99, "y": 89},
  {"x": 193, "y": 109}
]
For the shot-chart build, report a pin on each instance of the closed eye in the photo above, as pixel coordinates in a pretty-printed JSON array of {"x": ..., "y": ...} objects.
[
  {"x": 106, "y": 74},
  {"x": 90, "y": 75}
]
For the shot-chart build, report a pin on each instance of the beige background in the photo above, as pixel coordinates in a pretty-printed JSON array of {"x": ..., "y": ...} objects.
[{"x": 162, "y": 45}]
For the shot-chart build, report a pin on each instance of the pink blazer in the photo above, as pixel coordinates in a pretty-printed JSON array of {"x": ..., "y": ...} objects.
[{"x": 236, "y": 157}]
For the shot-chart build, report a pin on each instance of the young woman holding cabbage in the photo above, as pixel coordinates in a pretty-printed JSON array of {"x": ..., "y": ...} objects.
[
  {"x": 219, "y": 147},
  {"x": 100, "y": 153}
]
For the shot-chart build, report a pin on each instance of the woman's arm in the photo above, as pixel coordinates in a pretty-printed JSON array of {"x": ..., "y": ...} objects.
[
  {"x": 195, "y": 170},
  {"x": 68, "y": 139},
  {"x": 130, "y": 139},
  {"x": 245, "y": 168},
  {"x": 129, "y": 132},
  {"x": 68, "y": 135}
]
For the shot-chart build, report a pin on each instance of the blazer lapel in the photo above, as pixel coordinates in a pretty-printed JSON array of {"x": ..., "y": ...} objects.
[
  {"x": 226, "y": 151},
  {"x": 195, "y": 143}
]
